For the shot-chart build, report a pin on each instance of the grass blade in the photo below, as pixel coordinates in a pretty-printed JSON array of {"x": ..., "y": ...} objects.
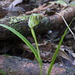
[
  {"x": 23, "y": 39},
  {"x": 56, "y": 51}
]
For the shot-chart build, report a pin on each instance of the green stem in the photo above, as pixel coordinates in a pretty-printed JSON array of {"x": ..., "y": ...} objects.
[{"x": 40, "y": 61}]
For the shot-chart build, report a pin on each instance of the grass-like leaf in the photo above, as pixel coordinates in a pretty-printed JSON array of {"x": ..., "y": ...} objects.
[
  {"x": 23, "y": 39},
  {"x": 56, "y": 51}
]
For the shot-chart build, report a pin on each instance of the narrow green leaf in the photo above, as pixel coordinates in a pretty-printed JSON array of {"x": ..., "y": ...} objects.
[
  {"x": 56, "y": 51},
  {"x": 23, "y": 39}
]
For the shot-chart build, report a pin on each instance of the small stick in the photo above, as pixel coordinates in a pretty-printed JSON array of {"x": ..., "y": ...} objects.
[{"x": 67, "y": 25}]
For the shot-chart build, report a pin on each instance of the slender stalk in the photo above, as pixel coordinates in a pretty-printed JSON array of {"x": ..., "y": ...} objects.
[{"x": 40, "y": 61}]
